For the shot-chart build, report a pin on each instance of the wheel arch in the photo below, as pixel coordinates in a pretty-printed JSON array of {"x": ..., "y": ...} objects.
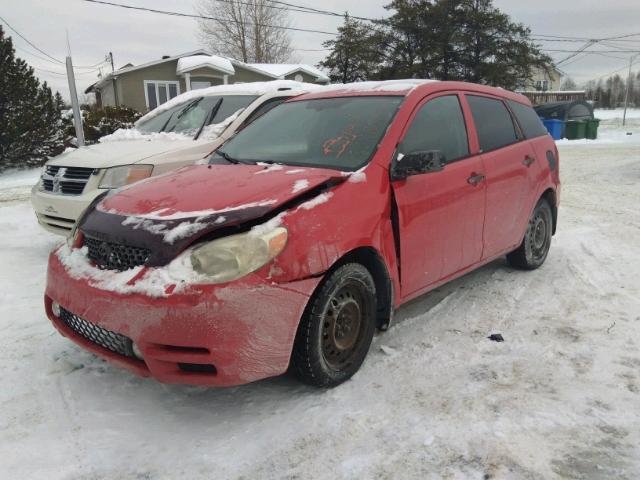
[
  {"x": 550, "y": 196},
  {"x": 373, "y": 261}
]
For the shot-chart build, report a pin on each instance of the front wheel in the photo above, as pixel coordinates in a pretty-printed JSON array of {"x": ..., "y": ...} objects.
[
  {"x": 337, "y": 328},
  {"x": 534, "y": 249}
]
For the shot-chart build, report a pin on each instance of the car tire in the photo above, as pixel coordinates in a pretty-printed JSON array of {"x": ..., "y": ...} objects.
[
  {"x": 534, "y": 248},
  {"x": 337, "y": 328}
]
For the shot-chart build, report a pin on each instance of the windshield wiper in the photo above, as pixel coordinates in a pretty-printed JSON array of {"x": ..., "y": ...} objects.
[
  {"x": 209, "y": 118},
  {"x": 230, "y": 159},
  {"x": 188, "y": 107}
]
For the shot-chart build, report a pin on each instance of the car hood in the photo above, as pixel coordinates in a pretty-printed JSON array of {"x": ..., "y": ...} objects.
[
  {"x": 165, "y": 214},
  {"x": 125, "y": 152}
]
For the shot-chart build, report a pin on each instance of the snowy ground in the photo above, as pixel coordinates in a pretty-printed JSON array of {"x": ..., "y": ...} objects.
[{"x": 559, "y": 398}]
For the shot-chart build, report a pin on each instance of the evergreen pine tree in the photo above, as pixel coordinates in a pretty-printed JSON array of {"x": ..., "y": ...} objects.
[
  {"x": 30, "y": 130},
  {"x": 467, "y": 40},
  {"x": 354, "y": 55}
]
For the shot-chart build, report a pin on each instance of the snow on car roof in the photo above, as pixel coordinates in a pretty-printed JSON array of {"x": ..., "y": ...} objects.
[
  {"x": 253, "y": 88},
  {"x": 398, "y": 86}
]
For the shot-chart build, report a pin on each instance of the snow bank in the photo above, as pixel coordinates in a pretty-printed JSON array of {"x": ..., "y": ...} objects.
[
  {"x": 19, "y": 178},
  {"x": 616, "y": 113}
]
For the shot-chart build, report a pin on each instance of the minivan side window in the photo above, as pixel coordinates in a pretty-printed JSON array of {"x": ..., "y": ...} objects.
[
  {"x": 493, "y": 123},
  {"x": 438, "y": 125},
  {"x": 528, "y": 119},
  {"x": 264, "y": 108}
]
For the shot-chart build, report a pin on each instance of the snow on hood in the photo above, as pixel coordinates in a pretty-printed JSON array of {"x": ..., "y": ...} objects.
[
  {"x": 206, "y": 190},
  {"x": 135, "y": 134},
  {"x": 124, "y": 152}
]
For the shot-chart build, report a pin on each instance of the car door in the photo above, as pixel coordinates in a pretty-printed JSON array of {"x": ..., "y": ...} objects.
[
  {"x": 507, "y": 160},
  {"x": 440, "y": 214}
]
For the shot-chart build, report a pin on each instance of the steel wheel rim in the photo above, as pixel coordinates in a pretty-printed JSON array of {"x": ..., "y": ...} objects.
[
  {"x": 539, "y": 236},
  {"x": 342, "y": 327}
]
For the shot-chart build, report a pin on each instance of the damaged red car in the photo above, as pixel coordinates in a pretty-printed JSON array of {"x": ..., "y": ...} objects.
[{"x": 305, "y": 231}]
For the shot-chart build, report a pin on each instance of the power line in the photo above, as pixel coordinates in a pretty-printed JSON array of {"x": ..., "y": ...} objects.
[
  {"x": 29, "y": 42},
  {"x": 205, "y": 17},
  {"x": 50, "y": 59}
]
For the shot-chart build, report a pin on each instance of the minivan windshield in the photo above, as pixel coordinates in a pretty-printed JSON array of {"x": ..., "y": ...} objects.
[
  {"x": 340, "y": 133},
  {"x": 187, "y": 118}
]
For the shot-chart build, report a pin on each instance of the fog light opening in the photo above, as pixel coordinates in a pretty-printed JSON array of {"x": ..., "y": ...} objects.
[
  {"x": 136, "y": 351},
  {"x": 55, "y": 308}
]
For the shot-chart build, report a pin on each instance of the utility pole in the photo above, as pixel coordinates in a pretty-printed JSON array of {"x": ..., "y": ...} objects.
[
  {"x": 113, "y": 79},
  {"x": 626, "y": 93},
  {"x": 77, "y": 117}
]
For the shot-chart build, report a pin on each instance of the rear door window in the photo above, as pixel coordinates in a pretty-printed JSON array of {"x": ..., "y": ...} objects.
[
  {"x": 528, "y": 119},
  {"x": 493, "y": 121},
  {"x": 438, "y": 125}
]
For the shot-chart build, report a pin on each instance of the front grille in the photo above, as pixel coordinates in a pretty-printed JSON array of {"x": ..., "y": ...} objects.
[
  {"x": 112, "y": 341},
  {"x": 115, "y": 256},
  {"x": 65, "y": 180}
]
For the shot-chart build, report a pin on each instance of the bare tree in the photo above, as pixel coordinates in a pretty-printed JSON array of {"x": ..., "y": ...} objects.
[{"x": 247, "y": 30}]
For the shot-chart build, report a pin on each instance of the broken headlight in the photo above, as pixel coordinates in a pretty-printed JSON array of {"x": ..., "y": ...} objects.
[{"x": 229, "y": 258}]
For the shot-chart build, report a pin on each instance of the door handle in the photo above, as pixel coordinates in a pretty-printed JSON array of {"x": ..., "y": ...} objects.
[
  {"x": 475, "y": 179},
  {"x": 528, "y": 160}
]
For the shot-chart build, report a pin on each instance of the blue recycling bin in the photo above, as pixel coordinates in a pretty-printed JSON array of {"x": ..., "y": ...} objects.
[{"x": 554, "y": 127}]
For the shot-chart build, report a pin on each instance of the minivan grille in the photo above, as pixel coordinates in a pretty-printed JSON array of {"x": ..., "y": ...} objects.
[
  {"x": 112, "y": 341},
  {"x": 65, "y": 180},
  {"x": 115, "y": 256}
]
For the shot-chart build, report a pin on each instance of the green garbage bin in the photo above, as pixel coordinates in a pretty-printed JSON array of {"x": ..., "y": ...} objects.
[
  {"x": 575, "y": 130},
  {"x": 592, "y": 128}
]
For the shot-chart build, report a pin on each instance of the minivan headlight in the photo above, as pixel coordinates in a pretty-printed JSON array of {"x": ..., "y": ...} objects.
[
  {"x": 229, "y": 258},
  {"x": 117, "y": 177}
]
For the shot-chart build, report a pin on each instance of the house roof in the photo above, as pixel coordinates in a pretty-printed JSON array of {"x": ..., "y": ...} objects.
[
  {"x": 279, "y": 70},
  {"x": 188, "y": 64},
  {"x": 201, "y": 58}
]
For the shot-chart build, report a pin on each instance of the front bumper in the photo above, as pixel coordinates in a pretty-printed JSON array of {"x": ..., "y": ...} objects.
[
  {"x": 59, "y": 213},
  {"x": 244, "y": 329}
]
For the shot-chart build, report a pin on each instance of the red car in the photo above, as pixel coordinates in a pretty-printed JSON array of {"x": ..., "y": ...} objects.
[{"x": 305, "y": 231}]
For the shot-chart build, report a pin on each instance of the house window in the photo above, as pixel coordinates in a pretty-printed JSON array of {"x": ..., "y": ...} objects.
[
  {"x": 542, "y": 85},
  {"x": 195, "y": 85},
  {"x": 156, "y": 92}
]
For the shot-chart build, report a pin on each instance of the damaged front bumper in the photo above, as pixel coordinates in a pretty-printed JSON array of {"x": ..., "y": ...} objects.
[{"x": 218, "y": 335}]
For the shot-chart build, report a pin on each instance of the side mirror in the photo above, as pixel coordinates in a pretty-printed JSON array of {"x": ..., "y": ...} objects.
[{"x": 416, "y": 163}]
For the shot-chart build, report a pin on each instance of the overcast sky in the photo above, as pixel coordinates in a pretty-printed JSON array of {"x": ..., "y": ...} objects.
[{"x": 139, "y": 37}]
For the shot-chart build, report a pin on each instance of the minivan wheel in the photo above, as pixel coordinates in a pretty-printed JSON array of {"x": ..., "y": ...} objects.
[
  {"x": 534, "y": 249},
  {"x": 337, "y": 328}
]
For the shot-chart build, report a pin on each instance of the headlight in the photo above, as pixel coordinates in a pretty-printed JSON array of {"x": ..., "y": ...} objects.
[
  {"x": 233, "y": 257},
  {"x": 120, "y": 176}
]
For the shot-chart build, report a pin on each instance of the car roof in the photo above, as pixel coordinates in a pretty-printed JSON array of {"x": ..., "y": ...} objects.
[
  {"x": 413, "y": 87},
  {"x": 258, "y": 89}
]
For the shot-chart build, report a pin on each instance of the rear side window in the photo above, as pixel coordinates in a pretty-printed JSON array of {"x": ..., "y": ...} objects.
[
  {"x": 438, "y": 125},
  {"x": 264, "y": 108},
  {"x": 528, "y": 119},
  {"x": 493, "y": 123}
]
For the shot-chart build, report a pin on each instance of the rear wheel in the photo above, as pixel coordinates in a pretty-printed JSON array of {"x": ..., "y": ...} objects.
[
  {"x": 336, "y": 329},
  {"x": 534, "y": 249}
]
